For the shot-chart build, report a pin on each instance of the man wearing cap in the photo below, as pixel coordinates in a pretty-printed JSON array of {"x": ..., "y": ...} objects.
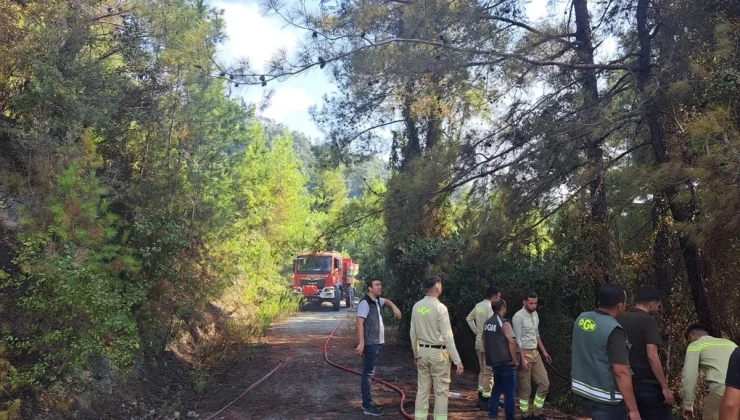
[
  {"x": 433, "y": 346},
  {"x": 476, "y": 318}
]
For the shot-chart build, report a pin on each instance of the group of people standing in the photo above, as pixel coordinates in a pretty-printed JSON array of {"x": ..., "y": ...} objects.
[
  {"x": 616, "y": 368},
  {"x": 617, "y": 371},
  {"x": 511, "y": 356}
]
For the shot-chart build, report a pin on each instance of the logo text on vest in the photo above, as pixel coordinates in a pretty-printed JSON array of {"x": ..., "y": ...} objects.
[{"x": 587, "y": 325}]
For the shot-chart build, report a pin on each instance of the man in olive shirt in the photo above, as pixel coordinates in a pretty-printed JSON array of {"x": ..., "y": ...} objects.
[
  {"x": 730, "y": 408},
  {"x": 711, "y": 355},
  {"x": 654, "y": 398}
]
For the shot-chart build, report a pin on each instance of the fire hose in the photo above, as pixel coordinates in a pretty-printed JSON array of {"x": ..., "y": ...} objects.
[
  {"x": 347, "y": 369},
  {"x": 251, "y": 387},
  {"x": 338, "y": 366},
  {"x": 399, "y": 390}
]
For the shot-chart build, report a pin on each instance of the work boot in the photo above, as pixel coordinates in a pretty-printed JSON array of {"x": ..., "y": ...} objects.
[
  {"x": 483, "y": 402},
  {"x": 372, "y": 410}
]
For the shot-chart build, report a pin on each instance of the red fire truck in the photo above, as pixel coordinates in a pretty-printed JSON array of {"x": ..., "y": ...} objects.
[{"x": 324, "y": 277}]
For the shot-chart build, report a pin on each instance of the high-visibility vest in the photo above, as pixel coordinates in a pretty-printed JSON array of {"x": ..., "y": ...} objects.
[{"x": 591, "y": 373}]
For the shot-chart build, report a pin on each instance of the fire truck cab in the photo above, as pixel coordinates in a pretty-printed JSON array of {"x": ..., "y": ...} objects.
[{"x": 324, "y": 277}]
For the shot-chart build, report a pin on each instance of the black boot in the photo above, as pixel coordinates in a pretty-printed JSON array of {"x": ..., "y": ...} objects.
[{"x": 483, "y": 402}]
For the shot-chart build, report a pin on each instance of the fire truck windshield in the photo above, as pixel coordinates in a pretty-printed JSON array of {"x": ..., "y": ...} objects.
[{"x": 313, "y": 265}]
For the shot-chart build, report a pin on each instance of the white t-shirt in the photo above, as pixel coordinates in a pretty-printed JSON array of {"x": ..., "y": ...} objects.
[{"x": 363, "y": 309}]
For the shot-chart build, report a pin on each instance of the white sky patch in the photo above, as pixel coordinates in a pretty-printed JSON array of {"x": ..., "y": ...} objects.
[
  {"x": 536, "y": 10},
  {"x": 287, "y": 101},
  {"x": 258, "y": 38},
  {"x": 252, "y": 35}
]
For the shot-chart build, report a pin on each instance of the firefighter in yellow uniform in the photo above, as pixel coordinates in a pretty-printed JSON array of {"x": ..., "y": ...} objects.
[
  {"x": 434, "y": 347},
  {"x": 476, "y": 318}
]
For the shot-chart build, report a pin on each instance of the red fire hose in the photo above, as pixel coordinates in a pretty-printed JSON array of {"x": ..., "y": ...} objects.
[{"x": 336, "y": 365}]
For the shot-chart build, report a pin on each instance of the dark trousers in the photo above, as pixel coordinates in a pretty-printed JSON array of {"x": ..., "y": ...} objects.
[
  {"x": 504, "y": 383},
  {"x": 369, "y": 360},
  {"x": 650, "y": 401},
  {"x": 602, "y": 411}
]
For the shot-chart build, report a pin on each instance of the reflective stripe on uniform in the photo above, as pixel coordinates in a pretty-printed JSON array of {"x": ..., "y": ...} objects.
[
  {"x": 589, "y": 391},
  {"x": 440, "y": 417},
  {"x": 539, "y": 401},
  {"x": 703, "y": 346},
  {"x": 421, "y": 415},
  {"x": 523, "y": 405},
  {"x": 485, "y": 394}
]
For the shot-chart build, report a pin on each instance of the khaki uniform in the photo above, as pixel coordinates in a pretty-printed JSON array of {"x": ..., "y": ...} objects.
[
  {"x": 430, "y": 326},
  {"x": 712, "y": 356},
  {"x": 527, "y": 329},
  {"x": 476, "y": 318}
]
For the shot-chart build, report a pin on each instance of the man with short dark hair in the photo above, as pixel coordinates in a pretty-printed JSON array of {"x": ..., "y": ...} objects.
[
  {"x": 499, "y": 345},
  {"x": 730, "y": 408},
  {"x": 476, "y": 318},
  {"x": 600, "y": 371},
  {"x": 654, "y": 397},
  {"x": 712, "y": 356},
  {"x": 434, "y": 346},
  {"x": 526, "y": 325},
  {"x": 371, "y": 337}
]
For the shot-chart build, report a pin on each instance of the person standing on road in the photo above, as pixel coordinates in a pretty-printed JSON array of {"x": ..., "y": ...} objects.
[
  {"x": 433, "y": 345},
  {"x": 654, "y": 397},
  {"x": 476, "y": 318},
  {"x": 712, "y": 356},
  {"x": 371, "y": 337},
  {"x": 600, "y": 371},
  {"x": 499, "y": 345},
  {"x": 526, "y": 325},
  {"x": 730, "y": 408}
]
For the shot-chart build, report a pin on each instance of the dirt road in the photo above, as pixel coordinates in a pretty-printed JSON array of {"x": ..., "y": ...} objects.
[{"x": 306, "y": 387}]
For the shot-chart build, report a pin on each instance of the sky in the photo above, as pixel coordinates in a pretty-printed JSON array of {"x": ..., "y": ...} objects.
[{"x": 257, "y": 37}]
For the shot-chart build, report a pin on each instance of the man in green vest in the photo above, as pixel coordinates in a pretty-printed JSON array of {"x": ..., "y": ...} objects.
[
  {"x": 476, "y": 318},
  {"x": 600, "y": 359}
]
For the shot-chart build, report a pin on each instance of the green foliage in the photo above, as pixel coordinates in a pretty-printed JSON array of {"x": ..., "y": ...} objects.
[{"x": 75, "y": 282}]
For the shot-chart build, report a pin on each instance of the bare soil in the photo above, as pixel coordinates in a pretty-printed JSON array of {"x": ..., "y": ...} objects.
[{"x": 305, "y": 387}]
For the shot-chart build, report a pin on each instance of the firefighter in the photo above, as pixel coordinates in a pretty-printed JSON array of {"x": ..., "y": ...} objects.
[
  {"x": 712, "y": 356},
  {"x": 476, "y": 318},
  {"x": 600, "y": 371},
  {"x": 434, "y": 346},
  {"x": 526, "y": 325}
]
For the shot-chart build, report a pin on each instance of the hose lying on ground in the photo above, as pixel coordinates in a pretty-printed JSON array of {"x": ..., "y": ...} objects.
[
  {"x": 338, "y": 366},
  {"x": 251, "y": 387}
]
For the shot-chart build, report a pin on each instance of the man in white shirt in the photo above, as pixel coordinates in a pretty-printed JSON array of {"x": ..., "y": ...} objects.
[
  {"x": 371, "y": 337},
  {"x": 526, "y": 325}
]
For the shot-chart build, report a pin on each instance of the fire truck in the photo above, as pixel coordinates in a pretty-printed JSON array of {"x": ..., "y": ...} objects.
[{"x": 324, "y": 277}]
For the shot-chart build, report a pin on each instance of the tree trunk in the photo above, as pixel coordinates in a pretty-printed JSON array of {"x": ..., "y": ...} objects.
[
  {"x": 695, "y": 263},
  {"x": 661, "y": 247},
  {"x": 595, "y": 153}
]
